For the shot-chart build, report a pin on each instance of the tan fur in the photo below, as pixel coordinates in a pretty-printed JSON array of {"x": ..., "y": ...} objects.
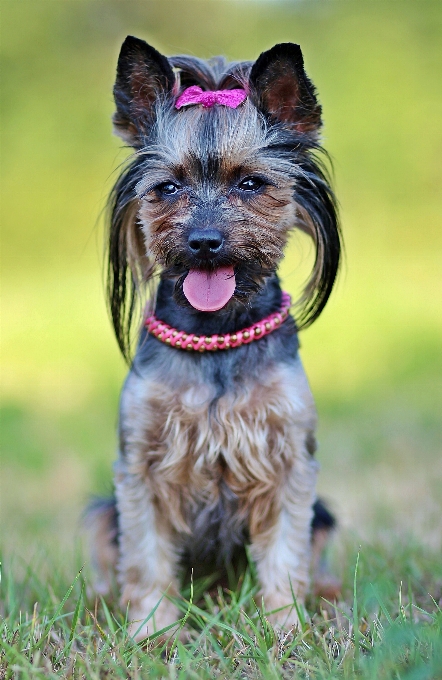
[
  {"x": 325, "y": 584},
  {"x": 176, "y": 456},
  {"x": 140, "y": 264},
  {"x": 103, "y": 546}
]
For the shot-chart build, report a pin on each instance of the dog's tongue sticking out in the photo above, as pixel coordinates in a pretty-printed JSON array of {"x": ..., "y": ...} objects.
[{"x": 209, "y": 291}]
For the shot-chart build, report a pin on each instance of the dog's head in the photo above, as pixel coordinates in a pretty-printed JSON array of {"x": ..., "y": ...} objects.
[{"x": 211, "y": 193}]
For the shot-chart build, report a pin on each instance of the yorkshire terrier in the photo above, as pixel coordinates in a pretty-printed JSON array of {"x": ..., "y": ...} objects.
[{"x": 217, "y": 422}]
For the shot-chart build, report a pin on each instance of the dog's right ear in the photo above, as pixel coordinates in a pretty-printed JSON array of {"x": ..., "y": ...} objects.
[{"x": 143, "y": 76}]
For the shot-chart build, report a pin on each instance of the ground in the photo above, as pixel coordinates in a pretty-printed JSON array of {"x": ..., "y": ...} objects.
[{"x": 373, "y": 358}]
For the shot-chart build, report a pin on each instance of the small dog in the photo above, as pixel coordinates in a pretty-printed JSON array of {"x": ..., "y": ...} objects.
[{"x": 217, "y": 418}]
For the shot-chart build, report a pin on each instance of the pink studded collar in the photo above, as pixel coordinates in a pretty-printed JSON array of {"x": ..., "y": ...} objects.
[{"x": 211, "y": 343}]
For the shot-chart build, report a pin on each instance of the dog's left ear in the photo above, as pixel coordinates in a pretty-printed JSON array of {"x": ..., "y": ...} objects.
[
  {"x": 283, "y": 89},
  {"x": 143, "y": 76}
]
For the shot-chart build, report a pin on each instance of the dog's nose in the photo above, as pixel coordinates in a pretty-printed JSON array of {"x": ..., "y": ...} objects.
[{"x": 205, "y": 241}]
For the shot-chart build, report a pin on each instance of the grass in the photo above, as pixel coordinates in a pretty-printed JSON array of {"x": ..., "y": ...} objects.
[
  {"x": 384, "y": 627},
  {"x": 380, "y": 460},
  {"x": 380, "y": 457},
  {"x": 373, "y": 359}
]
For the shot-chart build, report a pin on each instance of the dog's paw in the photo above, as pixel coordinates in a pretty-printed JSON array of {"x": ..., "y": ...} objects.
[
  {"x": 282, "y": 613},
  {"x": 327, "y": 586},
  {"x": 143, "y": 623}
]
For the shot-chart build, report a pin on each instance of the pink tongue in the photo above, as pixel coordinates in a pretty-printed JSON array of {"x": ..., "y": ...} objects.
[{"x": 209, "y": 291}]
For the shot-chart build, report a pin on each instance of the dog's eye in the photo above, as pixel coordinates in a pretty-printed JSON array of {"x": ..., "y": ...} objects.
[
  {"x": 250, "y": 184},
  {"x": 168, "y": 188}
]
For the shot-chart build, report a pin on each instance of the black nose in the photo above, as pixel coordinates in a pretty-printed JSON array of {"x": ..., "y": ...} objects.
[{"x": 205, "y": 241}]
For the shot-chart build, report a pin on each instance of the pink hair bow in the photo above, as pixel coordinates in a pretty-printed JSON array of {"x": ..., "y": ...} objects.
[{"x": 195, "y": 95}]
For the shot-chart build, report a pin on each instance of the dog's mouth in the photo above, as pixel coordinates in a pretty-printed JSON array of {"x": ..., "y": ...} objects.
[
  {"x": 209, "y": 291},
  {"x": 212, "y": 288}
]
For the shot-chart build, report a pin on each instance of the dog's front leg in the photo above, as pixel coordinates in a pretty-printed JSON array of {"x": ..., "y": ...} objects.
[
  {"x": 281, "y": 544},
  {"x": 148, "y": 559}
]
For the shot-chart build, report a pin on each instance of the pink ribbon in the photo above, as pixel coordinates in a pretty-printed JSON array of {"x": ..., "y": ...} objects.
[{"x": 195, "y": 95}]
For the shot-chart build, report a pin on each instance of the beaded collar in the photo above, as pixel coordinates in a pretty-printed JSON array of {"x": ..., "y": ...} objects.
[{"x": 212, "y": 343}]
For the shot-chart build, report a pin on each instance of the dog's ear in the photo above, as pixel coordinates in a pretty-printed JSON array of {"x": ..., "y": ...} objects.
[
  {"x": 143, "y": 76},
  {"x": 283, "y": 90}
]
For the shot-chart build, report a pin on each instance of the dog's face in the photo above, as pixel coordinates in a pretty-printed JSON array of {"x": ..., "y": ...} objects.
[
  {"x": 214, "y": 196},
  {"x": 216, "y": 190}
]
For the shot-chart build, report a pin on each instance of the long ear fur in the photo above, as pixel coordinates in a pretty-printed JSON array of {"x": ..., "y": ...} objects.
[
  {"x": 129, "y": 267},
  {"x": 319, "y": 218}
]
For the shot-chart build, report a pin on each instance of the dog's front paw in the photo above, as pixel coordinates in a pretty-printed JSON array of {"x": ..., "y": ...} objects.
[
  {"x": 143, "y": 622},
  {"x": 282, "y": 613}
]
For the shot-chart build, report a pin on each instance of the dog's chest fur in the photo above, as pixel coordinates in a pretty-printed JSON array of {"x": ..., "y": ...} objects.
[{"x": 216, "y": 462}]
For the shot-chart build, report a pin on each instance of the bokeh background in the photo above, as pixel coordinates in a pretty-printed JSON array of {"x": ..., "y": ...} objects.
[{"x": 373, "y": 358}]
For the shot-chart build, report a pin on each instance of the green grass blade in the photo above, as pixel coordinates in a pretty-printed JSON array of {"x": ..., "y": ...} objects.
[
  {"x": 356, "y": 631},
  {"x": 56, "y": 616}
]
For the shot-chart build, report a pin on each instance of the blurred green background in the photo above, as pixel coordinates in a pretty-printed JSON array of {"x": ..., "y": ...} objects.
[{"x": 374, "y": 357}]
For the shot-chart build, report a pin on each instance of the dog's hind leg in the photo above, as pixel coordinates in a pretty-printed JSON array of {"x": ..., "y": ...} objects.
[
  {"x": 324, "y": 583},
  {"x": 101, "y": 522},
  {"x": 148, "y": 562}
]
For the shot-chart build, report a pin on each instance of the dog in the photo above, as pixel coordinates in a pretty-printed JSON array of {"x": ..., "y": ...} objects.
[{"x": 217, "y": 421}]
